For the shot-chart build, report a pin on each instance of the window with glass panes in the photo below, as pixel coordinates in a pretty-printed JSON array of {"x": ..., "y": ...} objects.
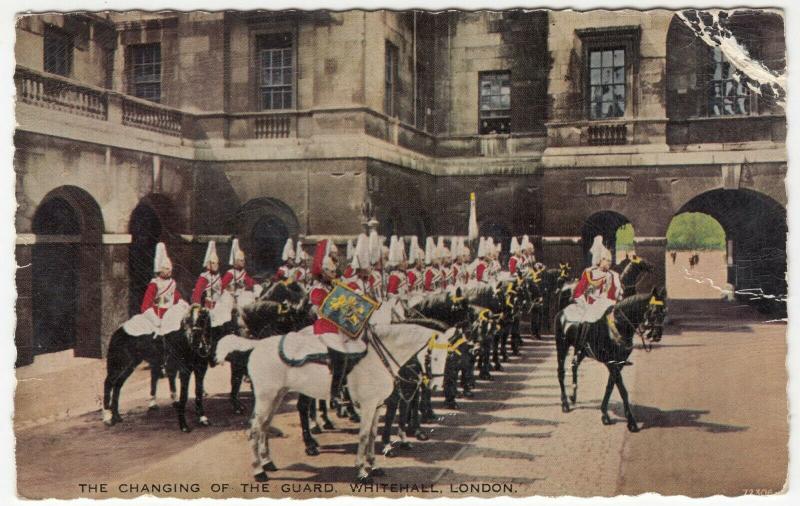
[
  {"x": 726, "y": 95},
  {"x": 57, "y": 52},
  {"x": 145, "y": 67},
  {"x": 276, "y": 76},
  {"x": 495, "y": 103},
  {"x": 390, "y": 79},
  {"x": 607, "y": 83}
]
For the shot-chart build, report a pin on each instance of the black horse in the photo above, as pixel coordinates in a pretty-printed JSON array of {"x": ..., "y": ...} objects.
[
  {"x": 641, "y": 315},
  {"x": 630, "y": 270},
  {"x": 550, "y": 282},
  {"x": 490, "y": 306},
  {"x": 185, "y": 351}
]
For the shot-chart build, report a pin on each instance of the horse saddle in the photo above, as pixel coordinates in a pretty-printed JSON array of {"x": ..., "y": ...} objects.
[{"x": 299, "y": 348}]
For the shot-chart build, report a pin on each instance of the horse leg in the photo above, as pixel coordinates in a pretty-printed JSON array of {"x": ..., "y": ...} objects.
[
  {"x": 374, "y": 470},
  {"x": 266, "y": 405},
  {"x": 561, "y": 356},
  {"x": 516, "y": 339},
  {"x": 238, "y": 368},
  {"x": 366, "y": 435},
  {"x": 171, "y": 375},
  {"x": 415, "y": 413},
  {"x": 303, "y": 407},
  {"x": 391, "y": 411},
  {"x": 180, "y": 404},
  {"x": 576, "y": 362},
  {"x": 323, "y": 410},
  {"x": 623, "y": 392},
  {"x": 199, "y": 378},
  {"x": 496, "y": 350},
  {"x": 506, "y": 338},
  {"x": 155, "y": 372},
  {"x": 604, "y": 405},
  {"x": 313, "y": 417}
]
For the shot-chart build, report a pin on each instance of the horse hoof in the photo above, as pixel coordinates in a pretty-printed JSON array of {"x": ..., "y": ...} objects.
[
  {"x": 498, "y": 367},
  {"x": 355, "y": 418},
  {"x": 316, "y": 430},
  {"x": 328, "y": 426},
  {"x": 377, "y": 472},
  {"x": 564, "y": 407},
  {"x": 269, "y": 466},
  {"x": 388, "y": 451},
  {"x": 115, "y": 419},
  {"x": 261, "y": 477},
  {"x": 607, "y": 420},
  {"x": 312, "y": 451},
  {"x": 203, "y": 420},
  {"x": 404, "y": 445},
  {"x": 468, "y": 394},
  {"x": 365, "y": 480},
  {"x": 633, "y": 427},
  {"x": 421, "y": 436},
  {"x": 573, "y": 399},
  {"x": 185, "y": 428}
]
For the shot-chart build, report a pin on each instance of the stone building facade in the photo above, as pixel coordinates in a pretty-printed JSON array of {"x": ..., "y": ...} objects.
[{"x": 137, "y": 127}]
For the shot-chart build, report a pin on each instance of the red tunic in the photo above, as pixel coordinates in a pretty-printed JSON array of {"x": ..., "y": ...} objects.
[
  {"x": 397, "y": 283},
  {"x": 480, "y": 270},
  {"x": 321, "y": 325},
  {"x": 431, "y": 277},
  {"x": 209, "y": 285},
  {"x": 348, "y": 272},
  {"x": 154, "y": 298},
  {"x": 588, "y": 280},
  {"x": 242, "y": 280},
  {"x": 512, "y": 264},
  {"x": 412, "y": 279}
]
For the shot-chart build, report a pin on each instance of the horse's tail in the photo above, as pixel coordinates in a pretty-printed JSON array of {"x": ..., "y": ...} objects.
[{"x": 232, "y": 343}]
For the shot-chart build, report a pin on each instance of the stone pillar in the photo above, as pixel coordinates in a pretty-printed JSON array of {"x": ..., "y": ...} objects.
[
  {"x": 653, "y": 250},
  {"x": 115, "y": 290},
  {"x": 23, "y": 336}
]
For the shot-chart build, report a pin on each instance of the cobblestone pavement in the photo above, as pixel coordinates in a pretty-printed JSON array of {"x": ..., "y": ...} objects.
[{"x": 510, "y": 439}]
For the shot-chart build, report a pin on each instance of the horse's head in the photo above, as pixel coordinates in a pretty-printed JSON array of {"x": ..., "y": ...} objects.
[
  {"x": 439, "y": 347},
  {"x": 197, "y": 328},
  {"x": 529, "y": 292},
  {"x": 655, "y": 313},
  {"x": 635, "y": 267},
  {"x": 459, "y": 305}
]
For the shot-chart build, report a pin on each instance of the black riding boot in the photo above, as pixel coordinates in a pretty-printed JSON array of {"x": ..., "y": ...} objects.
[{"x": 338, "y": 365}]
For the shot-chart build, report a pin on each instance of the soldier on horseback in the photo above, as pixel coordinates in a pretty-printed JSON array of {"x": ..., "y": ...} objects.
[
  {"x": 431, "y": 278},
  {"x": 416, "y": 259},
  {"x": 161, "y": 293},
  {"x": 598, "y": 289},
  {"x": 397, "y": 285},
  {"x": 286, "y": 271},
  {"x": 339, "y": 345},
  {"x": 208, "y": 288}
]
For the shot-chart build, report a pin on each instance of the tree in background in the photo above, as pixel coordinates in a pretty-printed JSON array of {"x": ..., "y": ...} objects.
[
  {"x": 695, "y": 231},
  {"x": 625, "y": 237}
]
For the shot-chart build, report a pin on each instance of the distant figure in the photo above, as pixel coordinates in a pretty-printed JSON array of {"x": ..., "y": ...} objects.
[
  {"x": 696, "y": 259},
  {"x": 674, "y": 255}
]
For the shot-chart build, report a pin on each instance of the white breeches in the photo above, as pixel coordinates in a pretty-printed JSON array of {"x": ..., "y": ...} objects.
[{"x": 582, "y": 311}]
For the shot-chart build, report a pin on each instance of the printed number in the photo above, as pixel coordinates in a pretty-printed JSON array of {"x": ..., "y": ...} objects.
[{"x": 758, "y": 491}]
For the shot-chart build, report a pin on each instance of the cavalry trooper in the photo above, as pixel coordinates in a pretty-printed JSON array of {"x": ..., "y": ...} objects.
[
  {"x": 397, "y": 284},
  {"x": 286, "y": 270},
  {"x": 481, "y": 264},
  {"x": 376, "y": 283},
  {"x": 430, "y": 280},
  {"x": 236, "y": 279},
  {"x": 349, "y": 271},
  {"x": 416, "y": 261},
  {"x": 359, "y": 268},
  {"x": 161, "y": 293},
  {"x": 598, "y": 289},
  {"x": 527, "y": 252},
  {"x": 208, "y": 288},
  {"x": 301, "y": 274},
  {"x": 445, "y": 268},
  {"x": 516, "y": 263},
  {"x": 493, "y": 254},
  {"x": 455, "y": 261},
  {"x": 464, "y": 259},
  {"x": 323, "y": 270}
]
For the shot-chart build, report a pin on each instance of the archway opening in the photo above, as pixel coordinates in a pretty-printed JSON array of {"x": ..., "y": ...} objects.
[
  {"x": 145, "y": 229},
  {"x": 697, "y": 260},
  {"x": 66, "y": 302},
  {"x": 755, "y": 244},
  {"x": 268, "y": 237},
  {"x": 616, "y": 230},
  {"x": 56, "y": 259}
]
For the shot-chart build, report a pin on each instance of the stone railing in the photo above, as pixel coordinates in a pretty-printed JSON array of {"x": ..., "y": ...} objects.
[
  {"x": 54, "y": 92},
  {"x": 607, "y": 135},
  {"x": 618, "y": 132},
  {"x": 151, "y": 116},
  {"x": 278, "y": 126}
]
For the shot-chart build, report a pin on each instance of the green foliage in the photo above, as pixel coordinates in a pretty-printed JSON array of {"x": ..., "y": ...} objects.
[
  {"x": 695, "y": 231},
  {"x": 625, "y": 237}
]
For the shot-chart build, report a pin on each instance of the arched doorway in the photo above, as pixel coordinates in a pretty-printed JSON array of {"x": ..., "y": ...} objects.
[
  {"x": 755, "y": 233},
  {"x": 152, "y": 221},
  {"x": 145, "y": 229},
  {"x": 264, "y": 224},
  {"x": 696, "y": 265},
  {"x": 66, "y": 273},
  {"x": 608, "y": 225}
]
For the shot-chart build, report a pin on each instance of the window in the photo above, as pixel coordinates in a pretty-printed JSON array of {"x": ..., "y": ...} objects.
[
  {"x": 390, "y": 79},
  {"x": 145, "y": 66},
  {"x": 57, "y": 52},
  {"x": 607, "y": 83},
  {"x": 606, "y": 186},
  {"x": 495, "y": 103},
  {"x": 276, "y": 76},
  {"x": 726, "y": 95}
]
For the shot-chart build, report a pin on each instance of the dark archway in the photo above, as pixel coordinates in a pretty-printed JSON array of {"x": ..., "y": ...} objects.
[
  {"x": 264, "y": 224},
  {"x": 66, "y": 273},
  {"x": 153, "y": 220},
  {"x": 606, "y": 224},
  {"x": 755, "y": 228}
]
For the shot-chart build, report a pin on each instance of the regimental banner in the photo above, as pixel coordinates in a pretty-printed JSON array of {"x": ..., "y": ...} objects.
[{"x": 348, "y": 309}]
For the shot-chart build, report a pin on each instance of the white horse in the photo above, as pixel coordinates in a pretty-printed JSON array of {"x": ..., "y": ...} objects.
[{"x": 370, "y": 382}]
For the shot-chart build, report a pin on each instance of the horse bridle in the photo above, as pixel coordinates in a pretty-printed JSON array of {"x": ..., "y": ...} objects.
[{"x": 646, "y": 325}]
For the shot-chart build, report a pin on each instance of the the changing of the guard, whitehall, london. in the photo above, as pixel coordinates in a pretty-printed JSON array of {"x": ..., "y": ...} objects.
[{"x": 379, "y": 253}]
